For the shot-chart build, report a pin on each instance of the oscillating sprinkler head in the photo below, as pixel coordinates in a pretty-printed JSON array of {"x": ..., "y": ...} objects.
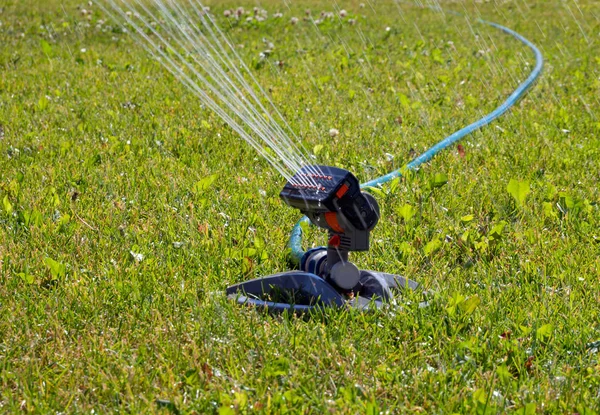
[{"x": 331, "y": 198}]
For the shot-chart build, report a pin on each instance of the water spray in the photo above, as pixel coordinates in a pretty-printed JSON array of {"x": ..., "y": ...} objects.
[
  {"x": 192, "y": 47},
  {"x": 184, "y": 38}
]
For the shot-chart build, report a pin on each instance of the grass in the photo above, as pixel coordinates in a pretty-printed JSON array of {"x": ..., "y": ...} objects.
[{"x": 116, "y": 244}]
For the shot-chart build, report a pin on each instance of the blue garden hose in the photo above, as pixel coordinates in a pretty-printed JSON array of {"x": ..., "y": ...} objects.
[{"x": 295, "y": 243}]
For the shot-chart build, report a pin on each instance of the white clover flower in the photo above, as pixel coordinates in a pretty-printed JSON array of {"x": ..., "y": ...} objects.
[
  {"x": 334, "y": 132},
  {"x": 294, "y": 20},
  {"x": 227, "y": 13},
  {"x": 136, "y": 256},
  {"x": 343, "y": 13}
]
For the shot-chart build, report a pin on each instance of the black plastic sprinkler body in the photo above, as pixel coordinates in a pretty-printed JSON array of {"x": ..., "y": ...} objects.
[{"x": 332, "y": 199}]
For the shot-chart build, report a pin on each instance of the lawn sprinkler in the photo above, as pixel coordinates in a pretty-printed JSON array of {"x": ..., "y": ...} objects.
[{"x": 331, "y": 199}]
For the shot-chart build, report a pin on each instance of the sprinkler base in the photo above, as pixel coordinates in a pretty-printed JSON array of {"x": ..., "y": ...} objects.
[{"x": 300, "y": 291}]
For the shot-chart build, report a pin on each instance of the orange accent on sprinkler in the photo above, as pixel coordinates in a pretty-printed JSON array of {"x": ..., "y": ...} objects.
[
  {"x": 335, "y": 241},
  {"x": 331, "y": 219},
  {"x": 341, "y": 191}
]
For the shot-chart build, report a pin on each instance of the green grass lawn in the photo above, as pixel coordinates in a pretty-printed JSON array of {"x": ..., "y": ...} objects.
[{"x": 116, "y": 244}]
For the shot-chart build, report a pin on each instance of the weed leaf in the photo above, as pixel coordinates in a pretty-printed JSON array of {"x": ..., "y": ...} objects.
[
  {"x": 518, "y": 190},
  {"x": 205, "y": 183},
  {"x": 545, "y": 331},
  {"x": 432, "y": 246},
  {"x": 7, "y": 205},
  {"x": 439, "y": 180},
  {"x": 376, "y": 190},
  {"x": 467, "y": 218},
  {"x": 406, "y": 212},
  {"x": 27, "y": 278},
  {"x": 470, "y": 305},
  {"x": 46, "y": 48},
  {"x": 57, "y": 269},
  {"x": 496, "y": 232}
]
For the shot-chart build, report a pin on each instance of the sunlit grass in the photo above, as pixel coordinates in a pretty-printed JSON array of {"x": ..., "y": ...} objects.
[{"x": 116, "y": 244}]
